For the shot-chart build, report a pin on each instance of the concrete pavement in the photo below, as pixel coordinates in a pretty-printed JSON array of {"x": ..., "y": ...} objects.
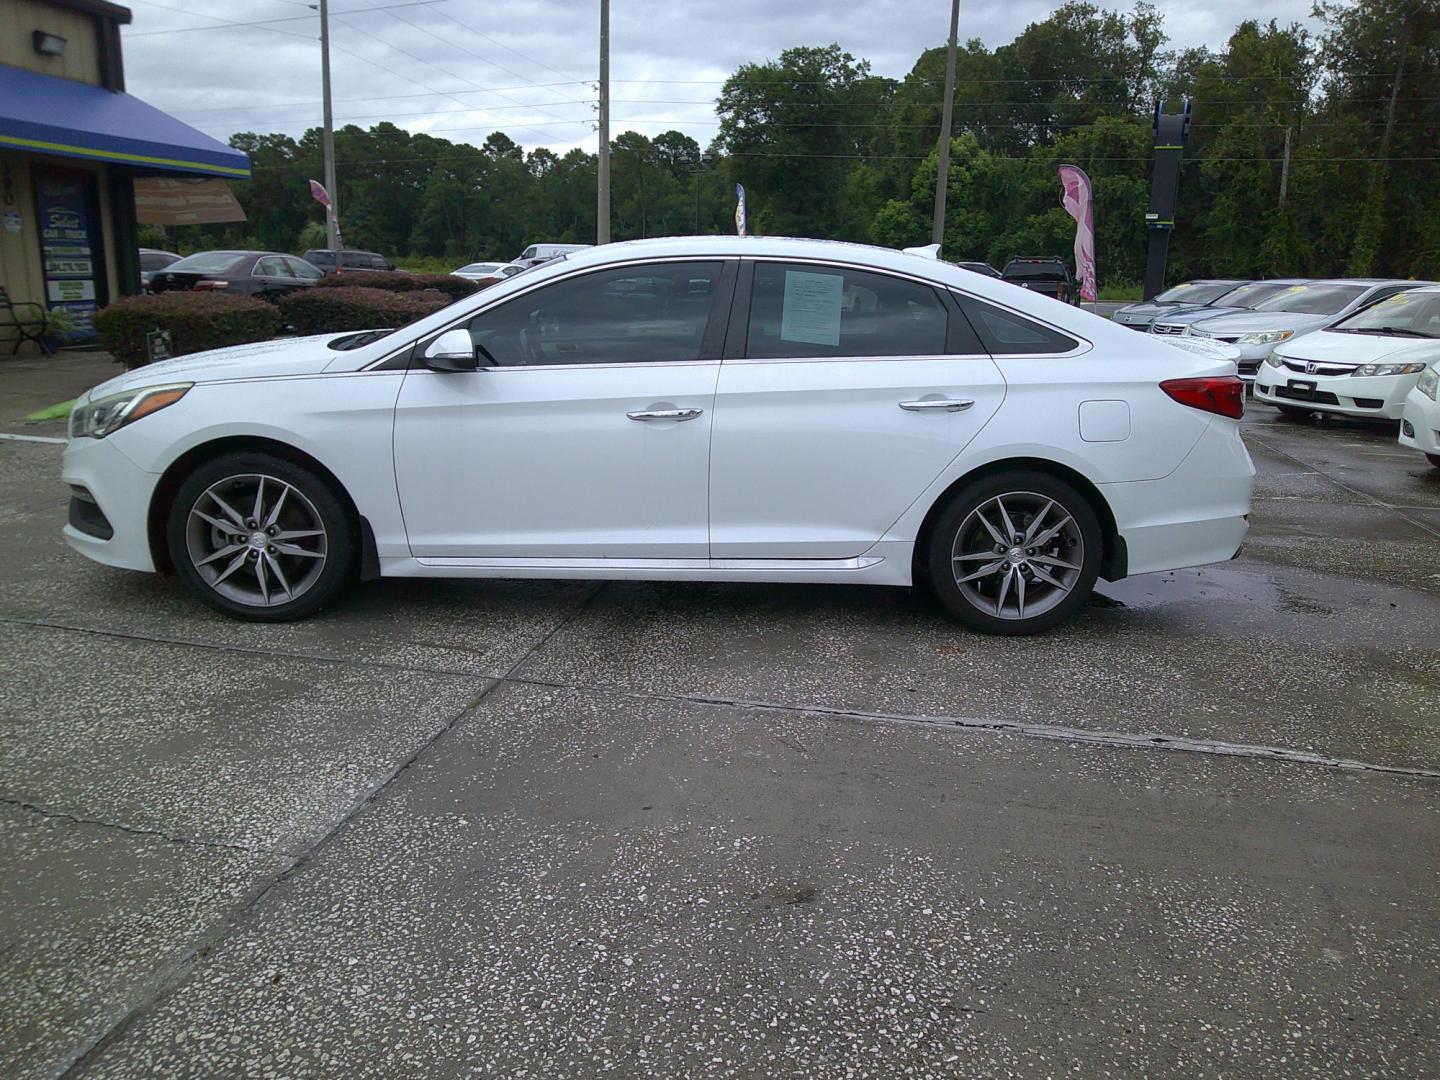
[{"x": 525, "y": 828}]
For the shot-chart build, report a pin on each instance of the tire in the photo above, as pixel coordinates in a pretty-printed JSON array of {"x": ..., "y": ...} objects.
[
  {"x": 962, "y": 538},
  {"x": 1434, "y": 459},
  {"x": 294, "y": 559},
  {"x": 1291, "y": 412}
]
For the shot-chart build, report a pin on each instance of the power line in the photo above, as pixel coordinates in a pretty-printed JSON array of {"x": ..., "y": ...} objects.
[
  {"x": 263, "y": 24},
  {"x": 384, "y": 97}
]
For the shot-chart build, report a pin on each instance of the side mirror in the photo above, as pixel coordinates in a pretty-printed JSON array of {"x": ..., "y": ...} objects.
[{"x": 451, "y": 351}]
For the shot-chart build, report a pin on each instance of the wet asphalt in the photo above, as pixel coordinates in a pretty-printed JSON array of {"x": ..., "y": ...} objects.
[{"x": 512, "y": 828}]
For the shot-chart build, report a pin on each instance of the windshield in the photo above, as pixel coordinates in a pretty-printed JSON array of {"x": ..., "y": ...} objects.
[
  {"x": 1311, "y": 299},
  {"x": 1195, "y": 293},
  {"x": 1417, "y": 312},
  {"x": 1247, "y": 296},
  {"x": 206, "y": 262}
]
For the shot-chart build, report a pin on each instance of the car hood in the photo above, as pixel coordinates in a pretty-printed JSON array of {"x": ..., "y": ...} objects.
[
  {"x": 1250, "y": 322},
  {"x": 1361, "y": 349},
  {"x": 260, "y": 359},
  {"x": 1149, "y": 310}
]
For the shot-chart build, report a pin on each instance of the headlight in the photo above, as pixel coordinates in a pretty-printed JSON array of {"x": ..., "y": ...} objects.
[
  {"x": 1428, "y": 383},
  {"x": 1274, "y": 361},
  {"x": 1387, "y": 369},
  {"x": 1264, "y": 337},
  {"x": 100, "y": 417}
]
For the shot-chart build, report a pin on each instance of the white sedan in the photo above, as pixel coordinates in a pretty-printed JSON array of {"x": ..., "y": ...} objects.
[
  {"x": 699, "y": 409},
  {"x": 1364, "y": 365},
  {"x": 1420, "y": 419},
  {"x": 490, "y": 272}
]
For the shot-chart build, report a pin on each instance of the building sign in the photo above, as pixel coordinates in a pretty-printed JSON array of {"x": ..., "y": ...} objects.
[
  {"x": 158, "y": 346},
  {"x": 67, "y": 247},
  {"x": 161, "y": 200}
]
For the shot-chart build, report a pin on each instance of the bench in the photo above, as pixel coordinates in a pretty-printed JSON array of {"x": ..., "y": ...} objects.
[{"x": 30, "y": 328}]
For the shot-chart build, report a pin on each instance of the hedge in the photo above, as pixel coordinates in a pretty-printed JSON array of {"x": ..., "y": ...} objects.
[
  {"x": 334, "y": 310},
  {"x": 196, "y": 320},
  {"x": 452, "y": 286}
]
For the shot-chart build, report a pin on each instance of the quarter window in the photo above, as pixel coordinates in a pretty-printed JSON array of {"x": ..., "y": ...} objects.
[
  {"x": 648, "y": 314},
  {"x": 820, "y": 311},
  {"x": 1003, "y": 333}
]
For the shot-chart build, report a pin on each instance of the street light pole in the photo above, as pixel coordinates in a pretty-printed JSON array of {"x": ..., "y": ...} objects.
[
  {"x": 332, "y": 212},
  {"x": 942, "y": 177},
  {"x": 602, "y": 194}
]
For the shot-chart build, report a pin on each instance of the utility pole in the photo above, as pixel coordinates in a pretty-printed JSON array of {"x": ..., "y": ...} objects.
[
  {"x": 1285, "y": 168},
  {"x": 942, "y": 178},
  {"x": 602, "y": 194},
  {"x": 332, "y": 212}
]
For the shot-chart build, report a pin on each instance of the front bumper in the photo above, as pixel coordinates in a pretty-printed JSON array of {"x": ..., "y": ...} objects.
[
  {"x": 1381, "y": 397},
  {"x": 120, "y": 491},
  {"x": 1420, "y": 424}
]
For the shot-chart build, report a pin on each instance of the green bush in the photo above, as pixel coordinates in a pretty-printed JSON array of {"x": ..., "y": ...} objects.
[
  {"x": 451, "y": 286},
  {"x": 336, "y": 309},
  {"x": 196, "y": 320}
]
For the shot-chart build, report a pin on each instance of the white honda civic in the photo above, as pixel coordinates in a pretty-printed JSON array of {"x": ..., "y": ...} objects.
[{"x": 698, "y": 409}]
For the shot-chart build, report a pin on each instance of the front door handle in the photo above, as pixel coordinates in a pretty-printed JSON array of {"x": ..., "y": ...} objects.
[
  {"x": 948, "y": 404},
  {"x": 665, "y": 414}
]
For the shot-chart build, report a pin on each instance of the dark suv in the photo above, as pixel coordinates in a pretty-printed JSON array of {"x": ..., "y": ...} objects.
[
  {"x": 326, "y": 259},
  {"x": 1048, "y": 276}
]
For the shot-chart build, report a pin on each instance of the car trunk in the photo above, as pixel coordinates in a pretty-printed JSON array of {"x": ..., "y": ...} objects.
[{"x": 169, "y": 281}]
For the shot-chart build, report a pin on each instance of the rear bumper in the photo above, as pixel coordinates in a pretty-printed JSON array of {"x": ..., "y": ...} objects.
[{"x": 1198, "y": 514}]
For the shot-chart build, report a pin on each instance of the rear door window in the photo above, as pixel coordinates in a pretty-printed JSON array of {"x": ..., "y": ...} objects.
[{"x": 805, "y": 311}]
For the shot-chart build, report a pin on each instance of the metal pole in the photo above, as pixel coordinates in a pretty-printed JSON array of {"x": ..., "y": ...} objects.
[
  {"x": 697, "y": 201},
  {"x": 1285, "y": 169},
  {"x": 942, "y": 178},
  {"x": 602, "y": 201},
  {"x": 332, "y": 212}
]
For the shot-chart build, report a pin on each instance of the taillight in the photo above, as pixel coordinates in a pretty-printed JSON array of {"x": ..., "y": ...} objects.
[
  {"x": 212, "y": 284},
  {"x": 1222, "y": 394}
]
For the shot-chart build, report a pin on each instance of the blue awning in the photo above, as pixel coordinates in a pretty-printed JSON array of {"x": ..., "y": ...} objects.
[{"x": 51, "y": 115}]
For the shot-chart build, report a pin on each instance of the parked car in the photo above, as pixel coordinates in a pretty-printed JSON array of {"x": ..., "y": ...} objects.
[
  {"x": 536, "y": 254},
  {"x": 337, "y": 262},
  {"x": 487, "y": 273},
  {"x": 266, "y": 274},
  {"x": 1242, "y": 298},
  {"x": 942, "y": 428},
  {"x": 1048, "y": 276},
  {"x": 1420, "y": 419},
  {"x": 1183, "y": 297},
  {"x": 1363, "y": 365},
  {"x": 151, "y": 260},
  {"x": 1293, "y": 311},
  {"x": 979, "y": 268}
]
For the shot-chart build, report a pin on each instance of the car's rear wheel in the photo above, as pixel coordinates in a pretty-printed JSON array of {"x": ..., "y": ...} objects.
[
  {"x": 1015, "y": 553},
  {"x": 1292, "y": 412},
  {"x": 260, "y": 538}
]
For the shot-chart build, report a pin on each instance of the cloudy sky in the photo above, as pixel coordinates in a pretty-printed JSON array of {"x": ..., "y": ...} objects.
[{"x": 462, "y": 68}]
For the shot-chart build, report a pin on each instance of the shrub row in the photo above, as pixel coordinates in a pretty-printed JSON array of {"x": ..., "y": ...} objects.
[
  {"x": 451, "y": 286},
  {"x": 335, "y": 309},
  {"x": 196, "y": 321}
]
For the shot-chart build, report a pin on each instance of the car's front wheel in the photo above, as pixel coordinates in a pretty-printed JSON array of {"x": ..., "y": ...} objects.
[
  {"x": 260, "y": 538},
  {"x": 1015, "y": 553}
]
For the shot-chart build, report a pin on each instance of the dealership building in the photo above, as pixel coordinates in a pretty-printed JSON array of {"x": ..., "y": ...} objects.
[{"x": 73, "y": 148}]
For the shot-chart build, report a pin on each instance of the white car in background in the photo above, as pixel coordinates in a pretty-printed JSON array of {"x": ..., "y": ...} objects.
[
  {"x": 1295, "y": 310},
  {"x": 694, "y": 409},
  {"x": 1420, "y": 419},
  {"x": 488, "y": 272},
  {"x": 1364, "y": 365}
]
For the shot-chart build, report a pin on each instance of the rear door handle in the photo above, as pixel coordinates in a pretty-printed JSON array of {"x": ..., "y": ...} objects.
[
  {"x": 665, "y": 414},
  {"x": 948, "y": 404}
]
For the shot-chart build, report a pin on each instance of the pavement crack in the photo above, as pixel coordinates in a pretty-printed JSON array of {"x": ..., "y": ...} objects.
[
  {"x": 134, "y": 830},
  {"x": 1049, "y": 732}
]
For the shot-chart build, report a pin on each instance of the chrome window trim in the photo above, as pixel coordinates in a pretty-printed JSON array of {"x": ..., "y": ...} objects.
[
  {"x": 578, "y": 367},
  {"x": 496, "y": 302}
]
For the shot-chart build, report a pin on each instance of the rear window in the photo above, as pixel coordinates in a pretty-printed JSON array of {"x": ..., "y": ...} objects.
[
  {"x": 206, "y": 262},
  {"x": 1037, "y": 271},
  {"x": 1194, "y": 293},
  {"x": 156, "y": 260},
  {"x": 325, "y": 259},
  {"x": 1311, "y": 299}
]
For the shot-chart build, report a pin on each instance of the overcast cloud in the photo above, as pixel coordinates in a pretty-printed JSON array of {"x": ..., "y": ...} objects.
[{"x": 463, "y": 68}]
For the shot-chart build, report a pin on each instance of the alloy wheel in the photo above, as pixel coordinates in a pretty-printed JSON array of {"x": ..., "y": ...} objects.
[
  {"x": 1017, "y": 555},
  {"x": 256, "y": 540}
]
